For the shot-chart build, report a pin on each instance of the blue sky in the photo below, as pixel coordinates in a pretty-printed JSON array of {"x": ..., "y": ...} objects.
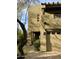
[
  {"x": 24, "y": 17},
  {"x": 49, "y": 1},
  {"x": 24, "y": 14}
]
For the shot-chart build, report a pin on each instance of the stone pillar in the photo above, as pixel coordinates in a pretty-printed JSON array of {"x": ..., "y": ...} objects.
[
  {"x": 48, "y": 42},
  {"x": 51, "y": 40},
  {"x": 42, "y": 41}
]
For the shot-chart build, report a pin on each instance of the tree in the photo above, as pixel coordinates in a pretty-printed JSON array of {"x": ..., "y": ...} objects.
[
  {"x": 23, "y": 4},
  {"x": 23, "y": 41}
]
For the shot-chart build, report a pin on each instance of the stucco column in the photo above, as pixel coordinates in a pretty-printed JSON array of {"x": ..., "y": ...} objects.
[
  {"x": 42, "y": 41},
  {"x": 48, "y": 42},
  {"x": 51, "y": 40}
]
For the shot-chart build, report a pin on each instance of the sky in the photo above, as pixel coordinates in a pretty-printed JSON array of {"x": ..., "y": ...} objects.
[
  {"x": 42, "y": 1},
  {"x": 24, "y": 14},
  {"x": 24, "y": 18}
]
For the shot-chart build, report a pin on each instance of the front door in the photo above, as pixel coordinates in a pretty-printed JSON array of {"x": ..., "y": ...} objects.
[{"x": 36, "y": 41}]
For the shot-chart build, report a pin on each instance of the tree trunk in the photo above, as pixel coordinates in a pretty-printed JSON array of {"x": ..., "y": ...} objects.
[{"x": 22, "y": 42}]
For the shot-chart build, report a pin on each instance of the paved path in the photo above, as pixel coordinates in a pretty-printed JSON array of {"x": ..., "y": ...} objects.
[{"x": 43, "y": 55}]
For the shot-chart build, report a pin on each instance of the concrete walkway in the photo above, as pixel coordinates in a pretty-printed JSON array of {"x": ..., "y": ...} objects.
[{"x": 43, "y": 55}]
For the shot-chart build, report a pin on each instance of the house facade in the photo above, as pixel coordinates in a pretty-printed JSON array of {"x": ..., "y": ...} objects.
[{"x": 44, "y": 26}]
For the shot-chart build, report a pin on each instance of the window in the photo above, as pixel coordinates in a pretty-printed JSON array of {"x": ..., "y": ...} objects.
[
  {"x": 57, "y": 15},
  {"x": 38, "y": 17}
]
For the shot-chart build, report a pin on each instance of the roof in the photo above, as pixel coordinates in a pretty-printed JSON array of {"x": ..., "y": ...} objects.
[{"x": 52, "y": 7}]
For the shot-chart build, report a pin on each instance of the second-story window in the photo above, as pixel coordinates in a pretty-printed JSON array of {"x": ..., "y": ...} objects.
[
  {"x": 57, "y": 15},
  {"x": 38, "y": 17}
]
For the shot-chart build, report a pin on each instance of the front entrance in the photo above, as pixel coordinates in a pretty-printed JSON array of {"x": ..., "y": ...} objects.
[{"x": 36, "y": 41}]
